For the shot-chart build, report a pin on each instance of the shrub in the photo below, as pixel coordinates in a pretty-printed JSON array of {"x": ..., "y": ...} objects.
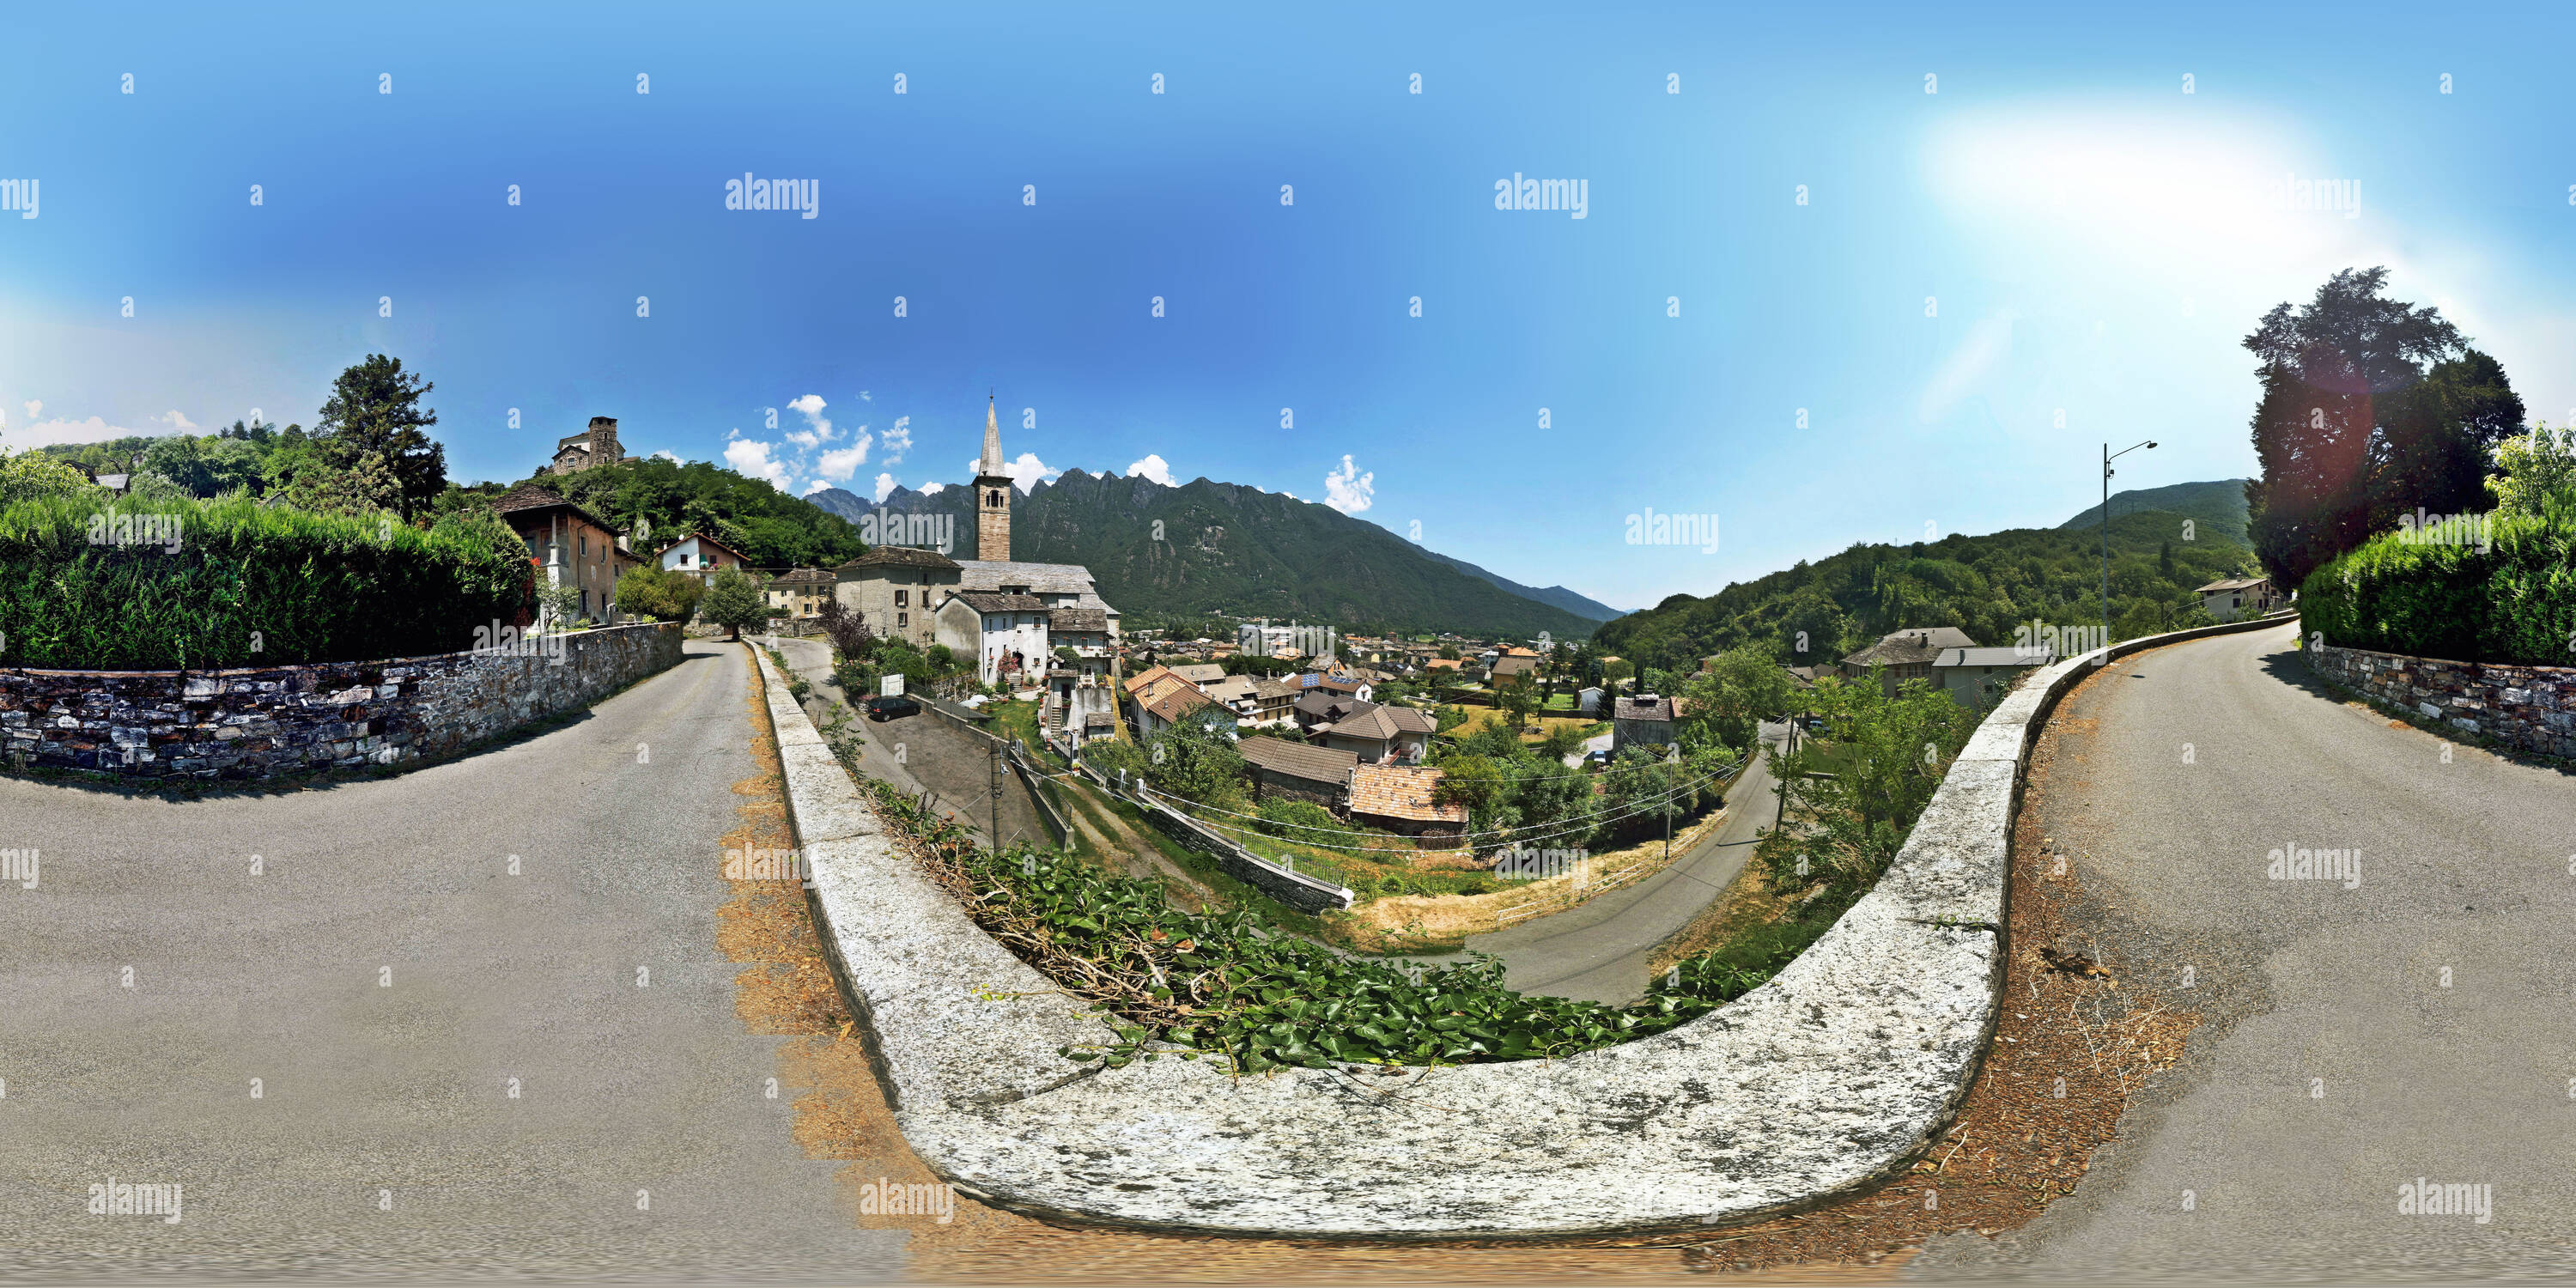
[
  {"x": 733, "y": 601},
  {"x": 2513, "y": 603},
  {"x": 659, "y": 593},
  {"x": 246, "y": 586}
]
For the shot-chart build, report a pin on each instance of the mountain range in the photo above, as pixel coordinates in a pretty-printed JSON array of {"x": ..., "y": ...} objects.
[
  {"x": 2217, "y": 506},
  {"x": 1205, "y": 548}
]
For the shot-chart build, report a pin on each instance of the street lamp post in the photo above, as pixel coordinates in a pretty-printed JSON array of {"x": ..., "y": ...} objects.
[{"x": 2109, "y": 456}]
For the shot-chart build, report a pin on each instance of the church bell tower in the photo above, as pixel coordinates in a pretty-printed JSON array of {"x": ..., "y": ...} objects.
[{"x": 992, "y": 496}]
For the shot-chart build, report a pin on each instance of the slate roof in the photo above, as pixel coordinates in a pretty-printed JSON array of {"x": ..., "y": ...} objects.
[
  {"x": 901, "y": 557},
  {"x": 1510, "y": 665},
  {"x": 1400, "y": 791},
  {"x": 1092, "y": 620},
  {"x": 1200, "y": 672},
  {"x": 1911, "y": 647},
  {"x": 801, "y": 577},
  {"x": 1380, "y": 723},
  {"x": 1650, "y": 709},
  {"x": 2233, "y": 583},
  {"x": 988, "y": 602},
  {"x": 1298, "y": 760},
  {"x": 1321, "y": 705},
  {"x": 529, "y": 498}
]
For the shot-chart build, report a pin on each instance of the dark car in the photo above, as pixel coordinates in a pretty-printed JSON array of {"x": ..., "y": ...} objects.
[{"x": 883, "y": 706}]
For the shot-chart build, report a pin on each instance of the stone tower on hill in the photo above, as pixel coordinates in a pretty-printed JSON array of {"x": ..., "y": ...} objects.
[{"x": 992, "y": 496}]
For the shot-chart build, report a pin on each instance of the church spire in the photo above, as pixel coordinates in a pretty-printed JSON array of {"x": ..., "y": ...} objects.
[{"x": 992, "y": 462}]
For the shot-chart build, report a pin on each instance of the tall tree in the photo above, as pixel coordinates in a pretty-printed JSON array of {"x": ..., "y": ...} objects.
[
  {"x": 2352, "y": 428},
  {"x": 374, "y": 409}
]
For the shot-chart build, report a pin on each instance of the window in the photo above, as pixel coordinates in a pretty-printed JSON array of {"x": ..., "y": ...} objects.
[
  {"x": 901, "y": 597},
  {"x": 903, "y": 619}
]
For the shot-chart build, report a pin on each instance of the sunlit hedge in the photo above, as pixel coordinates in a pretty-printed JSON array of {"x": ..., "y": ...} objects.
[
  {"x": 91, "y": 583},
  {"x": 2512, "y": 601}
]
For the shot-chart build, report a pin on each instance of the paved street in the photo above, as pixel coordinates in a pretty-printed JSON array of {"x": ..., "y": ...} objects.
[
  {"x": 386, "y": 979},
  {"x": 1598, "y": 951},
  {"x": 2417, "y": 1024},
  {"x": 928, "y": 750}
]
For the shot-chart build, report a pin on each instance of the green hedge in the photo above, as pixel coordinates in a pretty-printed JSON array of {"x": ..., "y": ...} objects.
[
  {"x": 2513, "y": 603},
  {"x": 302, "y": 587}
]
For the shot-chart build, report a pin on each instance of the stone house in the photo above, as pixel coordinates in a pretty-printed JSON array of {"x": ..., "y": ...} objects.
[
  {"x": 800, "y": 591},
  {"x": 596, "y": 445},
  {"x": 1643, "y": 720},
  {"x": 1906, "y": 655},
  {"x": 571, "y": 547},
  {"x": 891, "y": 588},
  {"x": 1005, "y": 634}
]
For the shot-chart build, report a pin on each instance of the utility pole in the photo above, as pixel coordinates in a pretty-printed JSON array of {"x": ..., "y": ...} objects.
[{"x": 2109, "y": 456}]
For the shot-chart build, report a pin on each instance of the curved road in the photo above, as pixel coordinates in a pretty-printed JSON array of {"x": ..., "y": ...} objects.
[
  {"x": 2417, "y": 1023},
  {"x": 1598, "y": 950},
  {"x": 385, "y": 1139}
]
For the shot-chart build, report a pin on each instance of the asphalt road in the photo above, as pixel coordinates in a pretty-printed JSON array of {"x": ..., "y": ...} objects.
[
  {"x": 928, "y": 750},
  {"x": 1598, "y": 951},
  {"x": 2418, "y": 1024},
  {"x": 385, "y": 978}
]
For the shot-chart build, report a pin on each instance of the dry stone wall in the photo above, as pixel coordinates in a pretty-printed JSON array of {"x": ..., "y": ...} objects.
[{"x": 289, "y": 721}]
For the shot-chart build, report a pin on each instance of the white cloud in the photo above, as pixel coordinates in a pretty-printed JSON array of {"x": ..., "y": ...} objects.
[
  {"x": 1348, "y": 490},
  {"x": 35, "y": 408},
  {"x": 817, "y": 429},
  {"x": 751, "y": 458},
  {"x": 897, "y": 440},
  {"x": 815, "y": 486},
  {"x": 1153, "y": 467},
  {"x": 666, "y": 455},
  {"x": 928, "y": 488},
  {"x": 839, "y": 466},
  {"x": 885, "y": 486},
  {"x": 44, "y": 432},
  {"x": 1026, "y": 472},
  {"x": 175, "y": 420}
]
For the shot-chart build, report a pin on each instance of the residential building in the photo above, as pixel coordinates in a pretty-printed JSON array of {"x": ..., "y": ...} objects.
[
  {"x": 1398, "y": 798},
  {"x": 1381, "y": 735},
  {"x": 1588, "y": 701},
  {"x": 1169, "y": 709},
  {"x": 1513, "y": 666},
  {"x": 1086, "y": 632},
  {"x": 596, "y": 445},
  {"x": 1200, "y": 673},
  {"x": 1644, "y": 720},
  {"x": 699, "y": 556},
  {"x": 1274, "y": 701},
  {"x": 801, "y": 591},
  {"x": 2227, "y": 600},
  {"x": 573, "y": 547},
  {"x": 892, "y": 589},
  {"x": 1977, "y": 678},
  {"x": 1905, "y": 655},
  {"x": 1005, "y": 634},
  {"x": 1296, "y": 771},
  {"x": 1318, "y": 708}
]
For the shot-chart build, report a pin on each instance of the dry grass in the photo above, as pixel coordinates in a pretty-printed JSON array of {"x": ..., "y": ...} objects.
[{"x": 1398, "y": 923}]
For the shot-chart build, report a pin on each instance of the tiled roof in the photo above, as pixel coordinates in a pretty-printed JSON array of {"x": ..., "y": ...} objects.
[
  {"x": 900, "y": 557},
  {"x": 1513, "y": 664},
  {"x": 2233, "y": 583},
  {"x": 703, "y": 540},
  {"x": 1298, "y": 760},
  {"x": 1399, "y": 791},
  {"x": 1200, "y": 672},
  {"x": 1137, "y": 683},
  {"x": 1270, "y": 690},
  {"x": 1319, "y": 704},
  {"x": 1078, "y": 619},
  {"x": 801, "y": 577},
  {"x": 1379, "y": 723},
  {"x": 1911, "y": 647},
  {"x": 1179, "y": 702}
]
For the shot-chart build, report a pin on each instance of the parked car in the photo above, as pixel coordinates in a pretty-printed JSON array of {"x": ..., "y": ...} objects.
[{"x": 883, "y": 706}]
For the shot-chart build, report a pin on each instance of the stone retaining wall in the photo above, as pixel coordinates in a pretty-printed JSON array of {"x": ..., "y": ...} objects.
[
  {"x": 1834, "y": 1074},
  {"x": 284, "y": 721},
  {"x": 2529, "y": 708}
]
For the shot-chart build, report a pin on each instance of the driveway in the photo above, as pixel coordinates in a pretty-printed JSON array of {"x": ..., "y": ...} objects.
[
  {"x": 2414, "y": 1018},
  {"x": 388, "y": 982}
]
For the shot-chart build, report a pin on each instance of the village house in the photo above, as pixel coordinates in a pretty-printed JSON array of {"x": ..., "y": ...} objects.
[
  {"x": 1283, "y": 770},
  {"x": 2225, "y": 600},
  {"x": 800, "y": 591},
  {"x": 571, "y": 546},
  {"x": 1398, "y": 798},
  {"x": 1644, "y": 720},
  {"x": 699, "y": 556},
  {"x": 1318, "y": 708},
  {"x": 1381, "y": 735},
  {"x": 1905, "y": 655},
  {"x": 1006, "y": 635},
  {"x": 891, "y": 588},
  {"x": 1977, "y": 678}
]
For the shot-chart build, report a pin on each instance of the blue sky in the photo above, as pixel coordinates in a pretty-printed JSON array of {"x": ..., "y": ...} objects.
[{"x": 2059, "y": 228}]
